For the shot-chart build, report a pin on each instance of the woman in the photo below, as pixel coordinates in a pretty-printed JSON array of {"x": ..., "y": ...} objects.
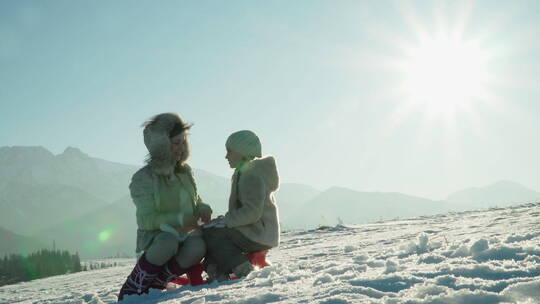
[
  {"x": 251, "y": 223},
  {"x": 168, "y": 208}
]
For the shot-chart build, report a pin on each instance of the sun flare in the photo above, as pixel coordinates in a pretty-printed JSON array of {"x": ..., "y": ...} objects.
[{"x": 443, "y": 74}]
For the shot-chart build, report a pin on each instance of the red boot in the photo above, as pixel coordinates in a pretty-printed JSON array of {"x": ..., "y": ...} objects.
[
  {"x": 140, "y": 278},
  {"x": 194, "y": 274},
  {"x": 258, "y": 259}
]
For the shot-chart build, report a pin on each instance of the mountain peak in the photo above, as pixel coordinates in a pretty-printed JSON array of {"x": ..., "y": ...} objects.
[
  {"x": 338, "y": 189},
  {"x": 73, "y": 152}
]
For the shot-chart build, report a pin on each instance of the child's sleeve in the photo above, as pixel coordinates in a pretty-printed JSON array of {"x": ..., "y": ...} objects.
[{"x": 252, "y": 192}]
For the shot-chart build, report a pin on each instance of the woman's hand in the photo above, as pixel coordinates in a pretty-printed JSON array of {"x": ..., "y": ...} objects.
[{"x": 189, "y": 223}]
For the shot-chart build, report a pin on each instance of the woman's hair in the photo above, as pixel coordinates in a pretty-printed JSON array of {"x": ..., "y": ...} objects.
[
  {"x": 177, "y": 127},
  {"x": 157, "y": 137}
]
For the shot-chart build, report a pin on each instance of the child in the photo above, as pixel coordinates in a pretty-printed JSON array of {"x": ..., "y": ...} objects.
[{"x": 251, "y": 223}]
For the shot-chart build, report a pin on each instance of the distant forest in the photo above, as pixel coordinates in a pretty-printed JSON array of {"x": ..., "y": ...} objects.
[{"x": 44, "y": 263}]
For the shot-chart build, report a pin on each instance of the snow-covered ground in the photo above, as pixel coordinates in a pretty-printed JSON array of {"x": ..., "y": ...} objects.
[{"x": 479, "y": 257}]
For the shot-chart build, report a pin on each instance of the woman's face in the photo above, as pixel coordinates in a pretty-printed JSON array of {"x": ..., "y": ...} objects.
[
  {"x": 233, "y": 157},
  {"x": 179, "y": 146}
]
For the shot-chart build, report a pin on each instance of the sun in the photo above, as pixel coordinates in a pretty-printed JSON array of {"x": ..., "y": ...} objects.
[{"x": 443, "y": 74}]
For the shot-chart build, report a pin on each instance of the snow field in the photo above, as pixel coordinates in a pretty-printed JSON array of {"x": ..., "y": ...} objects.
[{"x": 481, "y": 257}]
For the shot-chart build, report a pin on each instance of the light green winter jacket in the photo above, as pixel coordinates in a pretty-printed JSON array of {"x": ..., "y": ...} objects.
[{"x": 160, "y": 199}]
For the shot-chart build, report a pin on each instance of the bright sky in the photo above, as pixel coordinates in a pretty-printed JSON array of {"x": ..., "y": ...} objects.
[{"x": 419, "y": 97}]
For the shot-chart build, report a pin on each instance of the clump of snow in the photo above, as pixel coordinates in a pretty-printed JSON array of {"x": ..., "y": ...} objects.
[
  {"x": 461, "y": 251},
  {"x": 322, "y": 279},
  {"x": 426, "y": 290},
  {"x": 361, "y": 259},
  {"x": 392, "y": 266},
  {"x": 479, "y": 246},
  {"x": 422, "y": 245},
  {"x": 431, "y": 259},
  {"x": 376, "y": 263}
]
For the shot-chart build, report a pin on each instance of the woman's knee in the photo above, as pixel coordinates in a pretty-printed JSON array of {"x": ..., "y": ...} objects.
[
  {"x": 162, "y": 248},
  {"x": 191, "y": 252},
  {"x": 166, "y": 242}
]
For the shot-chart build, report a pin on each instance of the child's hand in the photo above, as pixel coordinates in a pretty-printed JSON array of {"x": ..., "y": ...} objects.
[
  {"x": 218, "y": 222},
  {"x": 205, "y": 214}
]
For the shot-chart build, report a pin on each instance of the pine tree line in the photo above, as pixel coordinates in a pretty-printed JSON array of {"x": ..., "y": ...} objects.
[
  {"x": 44, "y": 263},
  {"x": 97, "y": 265}
]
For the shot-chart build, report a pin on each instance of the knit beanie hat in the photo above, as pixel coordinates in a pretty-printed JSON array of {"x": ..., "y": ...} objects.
[{"x": 245, "y": 142}]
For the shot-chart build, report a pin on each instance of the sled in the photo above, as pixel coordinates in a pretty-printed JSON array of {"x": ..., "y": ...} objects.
[{"x": 193, "y": 276}]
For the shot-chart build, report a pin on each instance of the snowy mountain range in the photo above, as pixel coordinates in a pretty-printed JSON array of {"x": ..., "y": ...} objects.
[
  {"x": 82, "y": 203},
  {"x": 348, "y": 206},
  {"x": 40, "y": 189},
  {"x": 103, "y": 179},
  {"x": 502, "y": 193}
]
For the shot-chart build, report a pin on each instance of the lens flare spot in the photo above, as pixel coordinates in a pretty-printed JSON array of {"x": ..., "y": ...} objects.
[{"x": 104, "y": 235}]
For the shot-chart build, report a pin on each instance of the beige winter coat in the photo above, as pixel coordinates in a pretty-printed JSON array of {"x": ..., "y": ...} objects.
[{"x": 252, "y": 209}]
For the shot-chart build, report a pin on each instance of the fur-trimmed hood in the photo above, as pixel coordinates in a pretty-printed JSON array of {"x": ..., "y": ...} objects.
[
  {"x": 156, "y": 139},
  {"x": 266, "y": 168}
]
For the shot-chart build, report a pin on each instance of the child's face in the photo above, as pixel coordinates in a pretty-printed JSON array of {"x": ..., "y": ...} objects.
[{"x": 233, "y": 157}]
